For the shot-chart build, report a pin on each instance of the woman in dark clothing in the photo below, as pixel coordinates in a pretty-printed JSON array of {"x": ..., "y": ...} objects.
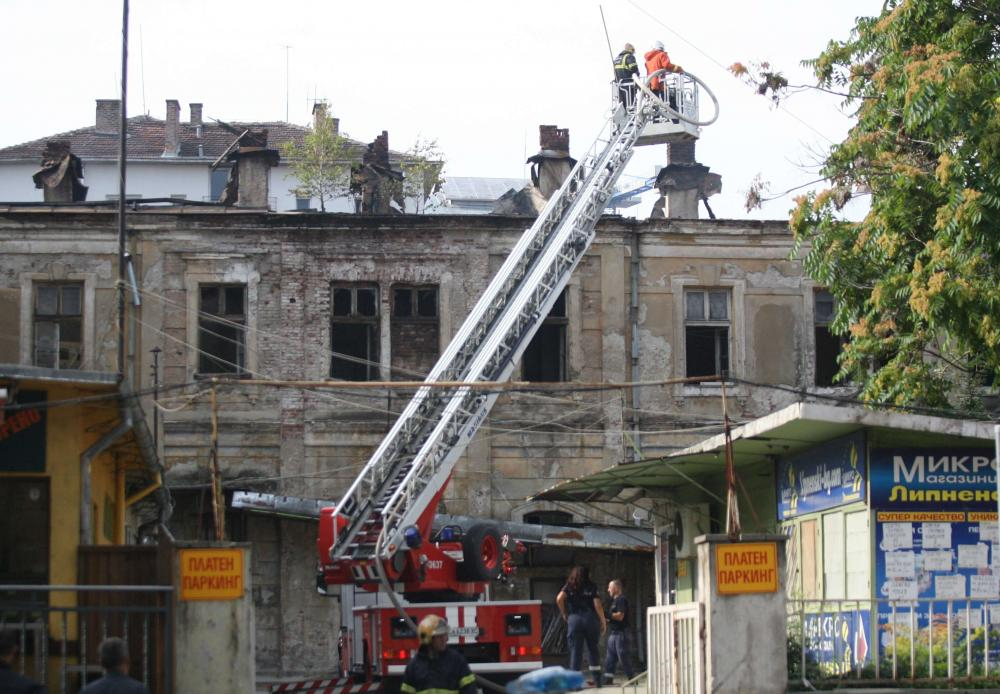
[{"x": 583, "y": 613}]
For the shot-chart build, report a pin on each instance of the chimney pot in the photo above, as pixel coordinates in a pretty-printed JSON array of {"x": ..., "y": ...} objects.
[
  {"x": 109, "y": 114},
  {"x": 171, "y": 130},
  {"x": 196, "y": 114}
]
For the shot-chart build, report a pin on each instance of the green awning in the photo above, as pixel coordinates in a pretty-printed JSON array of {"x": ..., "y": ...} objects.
[{"x": 793, "y": 429}]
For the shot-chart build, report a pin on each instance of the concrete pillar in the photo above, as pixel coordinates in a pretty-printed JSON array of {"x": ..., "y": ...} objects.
[
  {"x": 742, "y": 586},
  {"x": 213, "y": 617}
]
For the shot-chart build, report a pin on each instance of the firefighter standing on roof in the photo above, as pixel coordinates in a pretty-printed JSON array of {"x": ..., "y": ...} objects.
[
  {"x": 625, "y": 68},
  {"x": 435, "y": 668}
]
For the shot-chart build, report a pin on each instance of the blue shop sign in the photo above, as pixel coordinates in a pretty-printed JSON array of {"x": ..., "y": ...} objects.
[
  {"x": 829, "y": 475},
  {"x": 933, "y": 478}
]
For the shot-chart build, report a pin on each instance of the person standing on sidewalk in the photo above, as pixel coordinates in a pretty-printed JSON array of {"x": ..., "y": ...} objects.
[
  {"x": 617, "y": 650},
  {"x": 583, "y": 612},
  {"x": 113, "y": 653},
  {"x": 10, "y": 681}
]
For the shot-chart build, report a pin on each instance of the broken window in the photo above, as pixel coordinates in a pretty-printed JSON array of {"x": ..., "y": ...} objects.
[
  {"x": 354, "y": 332},
  {"x": 220, "y": 177},
  {"x": 414, "y": 330},
  {"x": 706, "y": 332},
  {"x": 58, "y": 325},
  {"x": 828, "y": 345},
  {"x": 222, "y": 325},
  {"x": 544, "y": 360}
]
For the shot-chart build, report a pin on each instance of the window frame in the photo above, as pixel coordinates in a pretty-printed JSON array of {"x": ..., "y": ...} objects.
[
  {"x": 414, "y": 315},
  {"x": 225, "y": 318},
  {"x": 824, "y": 325},
  {"x": 355, "y": 317},
  {"x": 706, "y": 321},
  {"x": 58, "y": 318}
]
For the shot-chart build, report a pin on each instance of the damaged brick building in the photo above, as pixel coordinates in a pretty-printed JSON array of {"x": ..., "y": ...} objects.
[{"x": 263, "y": 299}]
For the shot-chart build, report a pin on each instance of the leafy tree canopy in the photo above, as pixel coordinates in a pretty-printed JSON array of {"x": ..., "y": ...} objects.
[
  {"x": 917, "y": 281},
  {"x": 321, "y": 162}
]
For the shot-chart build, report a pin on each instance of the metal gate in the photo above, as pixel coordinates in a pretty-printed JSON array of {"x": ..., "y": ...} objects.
[
  {"x": 58, "y": 630},
  {"x": 676, "y": 636}
]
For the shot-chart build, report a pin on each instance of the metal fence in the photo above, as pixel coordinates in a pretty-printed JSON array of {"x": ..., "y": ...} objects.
[
  {"x": 892, "y": 640},
  {"x": 59, "y": 628},
  {"x": 676, "y": 648}
]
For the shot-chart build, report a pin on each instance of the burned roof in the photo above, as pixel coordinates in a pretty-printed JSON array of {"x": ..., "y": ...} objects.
[{"x": 146, "y": 140}]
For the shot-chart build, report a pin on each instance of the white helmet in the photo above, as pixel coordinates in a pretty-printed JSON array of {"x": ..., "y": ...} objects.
[{"x": 658, "y": 45}]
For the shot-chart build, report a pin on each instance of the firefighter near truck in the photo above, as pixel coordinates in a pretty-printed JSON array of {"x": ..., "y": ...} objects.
[{"x": 380, "y": 537}]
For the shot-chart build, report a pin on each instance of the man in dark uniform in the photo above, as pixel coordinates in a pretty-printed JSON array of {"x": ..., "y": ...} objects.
[
  {"x": 625, "y": 67},
  {"x": 113, "y": 653},
  {"x": 617, "y": 647},
  {"x": 435, "y": 667},
  {"x": 10, "y": 681}
]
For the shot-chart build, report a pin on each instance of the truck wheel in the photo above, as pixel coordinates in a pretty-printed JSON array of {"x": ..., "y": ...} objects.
[{"x": 481, "y": 553}]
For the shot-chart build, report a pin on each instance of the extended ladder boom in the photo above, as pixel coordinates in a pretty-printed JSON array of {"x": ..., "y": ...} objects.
[{"x": 409, "y": 469}]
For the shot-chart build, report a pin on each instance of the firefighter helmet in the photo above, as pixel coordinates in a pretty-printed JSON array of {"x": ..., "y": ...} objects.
[{"x": 431, "y": 626}]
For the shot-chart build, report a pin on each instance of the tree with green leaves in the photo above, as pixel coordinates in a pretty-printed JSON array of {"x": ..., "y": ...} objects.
[
  {"x": 917, "y": 281},
  {"x": 320, "y": 162},
  {"x": 423, "y": 170}
]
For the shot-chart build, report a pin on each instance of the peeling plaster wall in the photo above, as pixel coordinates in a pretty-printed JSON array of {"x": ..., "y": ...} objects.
[{"x": 313, "y": 443}]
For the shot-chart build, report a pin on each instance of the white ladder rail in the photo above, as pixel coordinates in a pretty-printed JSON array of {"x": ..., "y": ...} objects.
[
  {"x": 386, "y": 460},
  {"x": 467, "y": 408}
]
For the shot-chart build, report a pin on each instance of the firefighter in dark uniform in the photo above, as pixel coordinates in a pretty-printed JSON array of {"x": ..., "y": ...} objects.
[
  {"x": 625, "y": 67},
  {"x": 435, "y": 668}
]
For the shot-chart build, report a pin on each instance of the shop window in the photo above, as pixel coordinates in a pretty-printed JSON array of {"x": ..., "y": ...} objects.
[
  {"x": 809, "y": 561},
  {"x": 857, "y": 559},
  {"x": 414, "y": 330},
  {"x": 706, "y": 332},
  {"x": 834, "y": 578},
  {"x": 544, "y": 359},
  {"x": 828, "y": 345},
  {"x": 222, "y": 329},
  {"x": 354, "y": 332},
  {"x": 58, "y": 323}
]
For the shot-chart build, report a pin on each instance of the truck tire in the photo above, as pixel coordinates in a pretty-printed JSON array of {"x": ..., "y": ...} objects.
[{"x": 482, "y": 553}]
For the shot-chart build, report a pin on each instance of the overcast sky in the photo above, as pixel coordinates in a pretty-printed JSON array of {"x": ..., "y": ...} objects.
[{"x": 479, "y": 77}]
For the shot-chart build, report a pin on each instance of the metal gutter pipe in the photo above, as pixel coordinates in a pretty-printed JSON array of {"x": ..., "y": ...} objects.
[{"x": 98, "y": 447}]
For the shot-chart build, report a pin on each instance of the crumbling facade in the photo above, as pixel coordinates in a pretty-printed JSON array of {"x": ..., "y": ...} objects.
[{"x": 246, "y": 296}]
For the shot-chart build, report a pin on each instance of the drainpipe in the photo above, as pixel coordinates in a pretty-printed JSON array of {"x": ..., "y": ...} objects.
[
  {"x": 634, "y": 319},
  {"x": 98, "y": 447}
]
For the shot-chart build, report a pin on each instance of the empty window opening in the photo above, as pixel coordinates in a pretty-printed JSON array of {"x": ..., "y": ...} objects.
[
  {"x": 706, "y": 332},
  {"x": 354, "y": 332},
  {"x": 58, "y": 324},
  {"x": 544, "y": 359},
  {"x": 828, "y": 345},
  {"x": 222, "y": 329}
]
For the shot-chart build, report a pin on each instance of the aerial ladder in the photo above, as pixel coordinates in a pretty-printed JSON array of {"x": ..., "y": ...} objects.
[{"x": 379, "y": 535}]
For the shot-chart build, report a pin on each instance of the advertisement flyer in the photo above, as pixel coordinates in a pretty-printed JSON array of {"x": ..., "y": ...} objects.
[{"x": 818, "y": 479}]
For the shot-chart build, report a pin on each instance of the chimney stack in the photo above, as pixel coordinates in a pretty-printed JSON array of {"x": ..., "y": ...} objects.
[
  {"x": 109, "y": 114},
  {"x": 171, "y": 130},
  {"x": 61, "y": 173},
  {"x": 196, "y": 114},
  {"x": 319, "y": 113},
  {"x": 552, "y": 164}
]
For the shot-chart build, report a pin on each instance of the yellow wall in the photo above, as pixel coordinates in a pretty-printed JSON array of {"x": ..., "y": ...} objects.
[{"x": 70, "y": 430}]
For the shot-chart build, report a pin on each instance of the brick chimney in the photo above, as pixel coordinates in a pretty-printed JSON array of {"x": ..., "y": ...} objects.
[
  {"x": 196, "y": 114},
  {"x": 60, "y": 174},
  {"x": 684, "y": 183},
  {"x": 552, "y": 163},
  {"x": 109, "y": 114},
  {"x": 171, "y": 129}
]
